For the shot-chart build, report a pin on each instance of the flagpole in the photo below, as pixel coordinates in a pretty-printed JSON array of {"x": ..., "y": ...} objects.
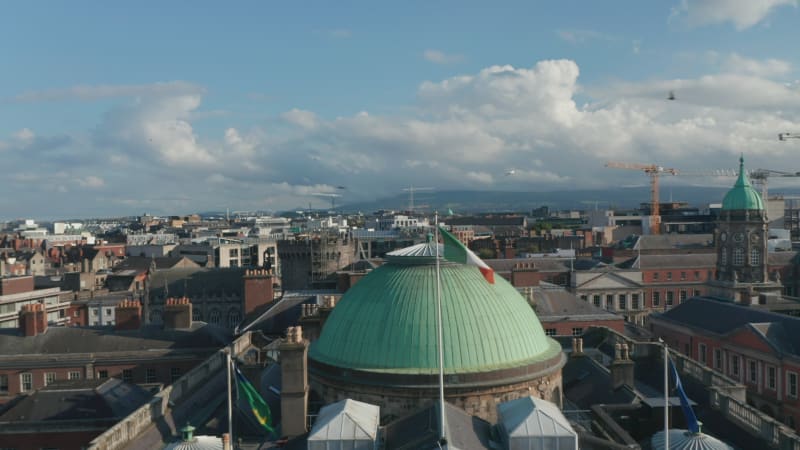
[
  {"x": 442, "y": 438},
  {"x": 228, "y": 365},
  {"x": 666, "y": 394}
]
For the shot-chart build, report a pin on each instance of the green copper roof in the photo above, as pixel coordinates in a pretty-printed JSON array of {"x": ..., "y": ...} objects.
[
  {"x": 387, "y": 323},
  {"x": 742, "y": 195}
]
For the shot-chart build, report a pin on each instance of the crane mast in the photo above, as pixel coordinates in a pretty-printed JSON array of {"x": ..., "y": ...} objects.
[{"x": 654, "y": 171}]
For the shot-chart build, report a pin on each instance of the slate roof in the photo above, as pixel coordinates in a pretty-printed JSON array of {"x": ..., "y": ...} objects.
[
  {"x": 142, "y": 263},
  {"x": 559, "y": 304},
  {"x": 75, "y": 340},
  {"x": 723, "y": 317},
  {"x": 197, "y": 282},
  {"x": 78, "y": 400},
  {"x": 420, "y": 430},
  {"x": 586, "y": 383}
]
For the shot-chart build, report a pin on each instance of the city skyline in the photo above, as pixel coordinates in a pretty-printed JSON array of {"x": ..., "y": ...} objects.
[{"x": 112, "y": 110}]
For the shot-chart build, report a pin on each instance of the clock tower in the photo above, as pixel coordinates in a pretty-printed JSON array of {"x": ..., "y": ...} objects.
[{"x": 740, "y": 241}]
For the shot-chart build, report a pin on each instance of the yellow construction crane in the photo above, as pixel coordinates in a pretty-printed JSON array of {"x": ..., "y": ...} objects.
[{"x": 654, "y": 171}]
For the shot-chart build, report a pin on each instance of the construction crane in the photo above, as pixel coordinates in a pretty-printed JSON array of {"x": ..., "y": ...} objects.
[
  {"x": 759, "y": 178},
  {"x": 411, "y": 189},
  {"x": 787, "y": 136},
  {"x": 329, "y": 195},
  {"x": 654, "y": 171}
]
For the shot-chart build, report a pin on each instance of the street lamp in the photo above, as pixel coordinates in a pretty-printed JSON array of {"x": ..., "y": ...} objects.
[{"x": 787, "y": 136}]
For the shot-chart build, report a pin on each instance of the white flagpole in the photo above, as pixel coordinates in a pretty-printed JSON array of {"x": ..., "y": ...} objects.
[
  {"x": 228, "y": 366},
  {"x": 442, "y": 437},
  {"x": 666, "y": 395}
]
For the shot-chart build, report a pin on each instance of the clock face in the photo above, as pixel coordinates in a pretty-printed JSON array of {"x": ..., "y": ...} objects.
[
  {"x": 738, "y": 237},
  {"x": 723, "y": 236}
]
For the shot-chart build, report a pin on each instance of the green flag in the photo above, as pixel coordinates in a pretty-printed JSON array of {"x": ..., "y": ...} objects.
[{"x": 258, "y": 406}]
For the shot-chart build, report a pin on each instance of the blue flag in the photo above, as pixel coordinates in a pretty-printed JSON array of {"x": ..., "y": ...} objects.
[{"x": 688, "y": 413}]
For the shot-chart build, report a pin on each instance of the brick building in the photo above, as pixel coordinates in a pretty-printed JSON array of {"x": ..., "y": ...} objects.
[{"x": 37, "y": 355}]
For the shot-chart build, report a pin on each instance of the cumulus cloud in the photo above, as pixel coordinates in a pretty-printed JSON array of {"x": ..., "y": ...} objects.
[
  {"x": 742, "y": 13},
  {"x": 464, "y": 133},
  {"x": 440, "y": 57}
]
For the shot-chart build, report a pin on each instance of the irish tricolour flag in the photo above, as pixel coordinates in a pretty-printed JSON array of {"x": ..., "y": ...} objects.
[{"x": 455, "y": 251}]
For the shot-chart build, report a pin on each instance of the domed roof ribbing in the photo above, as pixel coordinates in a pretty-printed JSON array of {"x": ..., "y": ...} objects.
[
  {"x": 686, "y": 440},
  {"x": 742, "y": 195},
  {"x": 387, "y": 322}
]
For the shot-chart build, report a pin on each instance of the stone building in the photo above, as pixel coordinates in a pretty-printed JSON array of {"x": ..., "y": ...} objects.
[{"x": 379, "y": 344}]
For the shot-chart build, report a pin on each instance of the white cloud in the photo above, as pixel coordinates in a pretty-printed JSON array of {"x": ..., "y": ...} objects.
[
  {"x": 760, "y": 68},
  {"x": 97, "y": 92},
  {"x": 301, "y": 118},
  {"x": 742, "y": 13},
  {"x": 25, "y": 135},
  {"x": 440, "y": 57}
]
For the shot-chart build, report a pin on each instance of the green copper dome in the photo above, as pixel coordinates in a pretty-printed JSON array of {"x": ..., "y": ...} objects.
[
  {"x": 387, "y": 322},
  {"x": 742, "y": 195}
]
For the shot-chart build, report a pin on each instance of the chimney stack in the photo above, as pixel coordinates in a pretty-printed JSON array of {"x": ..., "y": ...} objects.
[
  {"x": 128, "y": 315},
  {"x": 257, "y": 289},
  {"x": 178, "y": 313},
  {"x": 33, "y": 319},
  {"x": 622, "y": 367},
  {"x": 294, "y": 373}
]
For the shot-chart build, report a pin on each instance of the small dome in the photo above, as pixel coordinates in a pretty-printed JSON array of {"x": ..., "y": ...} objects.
[
  {"x": 197, "y": 443},
  {"x": 387, "y": 322},
  {"x": 742, "y": 195},
  {"x": 686, "y": 440}
]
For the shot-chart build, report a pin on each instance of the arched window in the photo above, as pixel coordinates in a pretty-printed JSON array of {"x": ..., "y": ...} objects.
[
  {"x": 214, "y": 317},
  {"x": 755, "y": 257},
  {"x": 197, "y": 315},
  {"x": 234, "y": 318},
  {"x": 738, "y": 256},
  {"x": 723, "y": 256}
]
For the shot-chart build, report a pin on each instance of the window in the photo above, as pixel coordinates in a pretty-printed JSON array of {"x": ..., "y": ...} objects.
[
  {"x": 49, "y": 378},
  {"x": 3, "y": 384},
  {"x": 656, "y": 298},
  {"x": 234, "y": 318},
  {"x": 701, "y": 353},
  {"x": 577, "y": 331},
  {"x": 94, "y": 312},
  {"x": 150, "y": 375},
  {"x": 723, "y": 256},
  {"x": 682, "y": 295},
  {"x": 683, "y": 276},
  {"x": 752, "y": 372},
  {"x": 635, "y": 301},
  {"x": 550, "y": 332},
  {"x": 656, "y": 276},
  {"x": 108, "y": 311},
  {"x": 771, "y": 377},
  {"x": 596, "y": 300},
  {"x": 738, "y": 256},
  {"x": 697, "y": 292},
  {"x": 791, "y": 382},
  {"x": 755, "y": 257},
  {"x": 735, "y": 366},
  {"x": 584, "y": 297},
  {"x": 669, "y": 276},
  {"x": 623, "y": 301},
  {"x": 127, "y": 375},
  {"x": 696, "y": 275},
  {"x": 214, "y": 317},
  {"x": 174, "y": 373},
  {"x": 197, "y": 316},
  {"x": 74, "y": 375},
  {"x": 25, "y": 382},
  {"x": 718, "y": 359},
  {"x": 102, "y": 374},
  {"x": 609, "y": 301},
  {"x": 233, "y": 253},
  {"x": 670, "y": 298}
]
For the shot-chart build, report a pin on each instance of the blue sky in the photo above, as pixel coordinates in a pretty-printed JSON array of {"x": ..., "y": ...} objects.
[{"x": 174, "y": 107}]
